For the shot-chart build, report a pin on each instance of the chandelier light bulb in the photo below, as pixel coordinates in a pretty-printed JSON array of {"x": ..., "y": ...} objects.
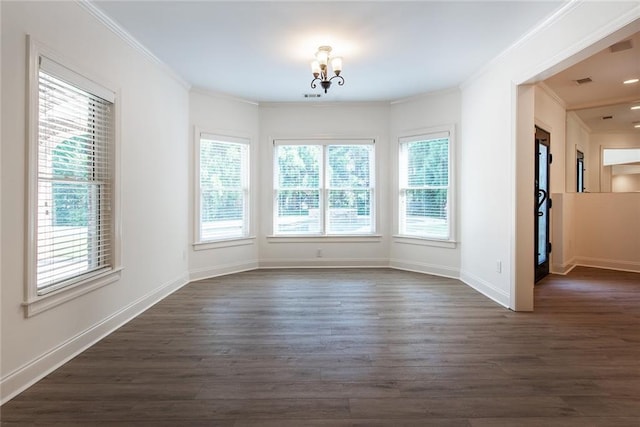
[
  {"x": 323, "y": 56},
  {"x": 315, "y": 68},
  {"x": 336, "y": 64}
]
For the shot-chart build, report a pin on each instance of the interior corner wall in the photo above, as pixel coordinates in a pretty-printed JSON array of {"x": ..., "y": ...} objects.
[
  {"x": 153, "y": 123},
  {"x": 607, "y": 230},
  {"x": 578, "y": 138},
  {"x": 489, "y": 178},
  {"x": 551, "y": 116},
  {"x": 411, "y": 117},
  {"x": 324, "y": 120},
  {"x": 218, "y": 114}
]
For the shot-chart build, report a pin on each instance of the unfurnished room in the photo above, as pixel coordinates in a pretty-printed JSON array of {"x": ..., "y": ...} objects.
[{"x": 320, "y": 213}]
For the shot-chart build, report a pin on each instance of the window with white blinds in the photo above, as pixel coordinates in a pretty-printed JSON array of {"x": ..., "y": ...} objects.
[
  {"x": 425, "y": 186},
  {"x": 74, "y": 225},
  {"x": 224, "y": 188},
  {"x": 324, "y": 188}
]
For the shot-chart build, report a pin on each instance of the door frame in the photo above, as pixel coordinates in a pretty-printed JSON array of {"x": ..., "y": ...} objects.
[{"x": 542, "y": 269}]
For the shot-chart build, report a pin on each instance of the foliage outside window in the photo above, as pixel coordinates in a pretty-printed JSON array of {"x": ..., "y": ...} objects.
[
  {"x": 425, "y": 187},
  {"x": 74, "y": 226},
  {"x": 224, "y": 188},
  {"x": 324, "y": 188}
]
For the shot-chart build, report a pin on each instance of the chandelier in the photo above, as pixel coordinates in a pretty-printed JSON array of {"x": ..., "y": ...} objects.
[{"x": 320, "y": 68}]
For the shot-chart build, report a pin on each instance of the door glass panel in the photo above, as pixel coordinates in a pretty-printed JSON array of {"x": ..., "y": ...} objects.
[{"x": 543, "y": 200}]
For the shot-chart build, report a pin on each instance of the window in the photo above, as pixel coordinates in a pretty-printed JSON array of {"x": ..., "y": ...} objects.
[
  {"x": 72, "y": 182},
  {"x": 324, "y": 188},
  {"x": 424, "y": 186},
  {"x": 223, "y": 188}
]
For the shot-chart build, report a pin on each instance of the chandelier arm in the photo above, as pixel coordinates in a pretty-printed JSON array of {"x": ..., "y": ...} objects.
[
  {"x": 313, "y": 83},
  {"x": 340, "y": 80}
]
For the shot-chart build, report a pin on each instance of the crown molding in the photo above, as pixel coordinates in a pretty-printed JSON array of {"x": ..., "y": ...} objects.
[
  {"x": 550, "y": 20},
  {"x": 426, "y": 95},
  {"x": 546, "y": 89},
  {"x": 115, "y": 28},
  {"x": 324, "y": 104},
  {"x": 214, "y": 94},
  {"x": 571, "y": 115}
]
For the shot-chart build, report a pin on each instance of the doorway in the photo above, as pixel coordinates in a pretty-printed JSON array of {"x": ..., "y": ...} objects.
[
  {"x": 542, "y": 203},
  {"x": 580, "y": 171}
]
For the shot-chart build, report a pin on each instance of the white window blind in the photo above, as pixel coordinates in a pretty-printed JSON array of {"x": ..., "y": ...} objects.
[
  {"x": 324, "y": 188},
  {"x": 424, "y": 186},
  {"x": 74, "y": 225},
  {"x": 224, "y": 188},
  {"x": 349, "y": 184}
]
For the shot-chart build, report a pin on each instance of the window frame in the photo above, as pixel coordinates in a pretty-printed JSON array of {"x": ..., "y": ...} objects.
[
  {"x": 247, "y": 237},
  {"x": 39, "y": 300},
  {"x": 447, "y": 131},
  {"x": 324, "y": 189}
]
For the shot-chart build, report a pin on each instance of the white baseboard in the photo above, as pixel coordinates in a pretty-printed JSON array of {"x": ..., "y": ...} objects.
[
  {"x": 485, "y": 288},
  {"x": 420, "y": 267},
  {"x": 608, "y": 264},
  {"x": 221, "y": 270},
  {"x": 325, "y": 263},
  {"x": 563, "y": 269},
  {"x": 24, "y": 377}
]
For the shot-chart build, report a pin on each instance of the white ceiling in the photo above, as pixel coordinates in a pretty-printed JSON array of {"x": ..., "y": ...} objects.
[
  {"x": 261, "y": 50},
  {"x": 606, "y": 95}
]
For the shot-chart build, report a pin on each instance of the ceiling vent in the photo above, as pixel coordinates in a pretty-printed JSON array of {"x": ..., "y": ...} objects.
[
  {"x": 312, "y": 95},
  {"x": 607, "y": 117},
  {"x": 583, "y": 81},
  {"x": 620, "y": 46}
]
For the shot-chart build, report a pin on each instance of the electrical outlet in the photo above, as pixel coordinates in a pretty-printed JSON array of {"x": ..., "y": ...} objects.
[{"x": 319, "y": 253}]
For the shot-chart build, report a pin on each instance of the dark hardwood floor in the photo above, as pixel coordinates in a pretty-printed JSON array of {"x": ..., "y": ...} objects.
[{"x": 358, "y": 347}]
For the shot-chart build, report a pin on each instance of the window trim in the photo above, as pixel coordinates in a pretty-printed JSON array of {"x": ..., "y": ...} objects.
[
  {"x": 36, "y": 301},
  {"x": 325, "y": 141},
  {"x": 248, "y": 238},
  {"x": 422, "y": 135}
]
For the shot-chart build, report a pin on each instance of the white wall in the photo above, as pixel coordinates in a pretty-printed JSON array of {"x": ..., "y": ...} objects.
[
  {"x": 607, "y": 230},
  {"x": 599, "y": 230},
  {"x": 486, "y": 184},
  {"x": 366, "y": 120},
  {"x": 154, "y": 158},
  {"x": 218, "y": 114},
  {"x": 409, "y": 117},
  {"x": 491, "y": 184},
  {"x": 626, "y": 182}
]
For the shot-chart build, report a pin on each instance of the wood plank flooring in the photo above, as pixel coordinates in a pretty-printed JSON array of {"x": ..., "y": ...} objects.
[{"x": 357, "y": 347}]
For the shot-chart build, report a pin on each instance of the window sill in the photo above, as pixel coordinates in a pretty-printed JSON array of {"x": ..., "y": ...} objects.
[
  {"x": 424, "y": 241},
  {"x": 364, "y": 238},
  {"x": 52, "y": 299},
  {"x": 227, "y": 243}
]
